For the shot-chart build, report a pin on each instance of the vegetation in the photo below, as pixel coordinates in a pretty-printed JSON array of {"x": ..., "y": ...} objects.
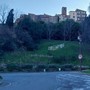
[
  {"x": 10, "y": 18},
  {"x": 27, "y": 42},
  {"x": 67, "y": 54},
  {"x": 87, "y": 71}
]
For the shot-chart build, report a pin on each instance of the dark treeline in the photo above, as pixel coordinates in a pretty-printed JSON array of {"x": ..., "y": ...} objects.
[{"x": 25, "y": 34}]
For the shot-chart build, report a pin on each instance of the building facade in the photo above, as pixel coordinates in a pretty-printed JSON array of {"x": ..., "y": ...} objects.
[
  {"x": 45, "y": 18},
  {"x": 64, "y": 10},
  {"x": 78, "y": 15}
]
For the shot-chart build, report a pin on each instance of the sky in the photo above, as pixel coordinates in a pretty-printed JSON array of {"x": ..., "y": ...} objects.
[{"x": 50, "y": 7}]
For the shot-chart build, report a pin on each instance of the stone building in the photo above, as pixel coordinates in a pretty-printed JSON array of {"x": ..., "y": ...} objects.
[{"x": 78, "y": 15}]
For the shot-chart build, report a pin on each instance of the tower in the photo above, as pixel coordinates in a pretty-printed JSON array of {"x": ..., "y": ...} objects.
[{"x": 64, "y": 10}]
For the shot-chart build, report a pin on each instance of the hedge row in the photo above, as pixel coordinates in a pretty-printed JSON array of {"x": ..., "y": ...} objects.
[{"x": 39, "y": 68}]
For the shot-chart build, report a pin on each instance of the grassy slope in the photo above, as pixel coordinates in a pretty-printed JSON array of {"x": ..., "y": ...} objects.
[{"x": 71, "y": 49}]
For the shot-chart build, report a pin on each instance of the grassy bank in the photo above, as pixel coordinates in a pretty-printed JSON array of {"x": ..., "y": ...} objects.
[
  {"x": 67, "y": 54},
  {"x": 87, "y": 71}
]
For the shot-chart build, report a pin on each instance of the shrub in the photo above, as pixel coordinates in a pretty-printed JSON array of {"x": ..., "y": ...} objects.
[
  {"x": 59, "y": 60},
  {"x": 3, "y": 67},
  {"x": 13, "y": 67},
  {"x": 52, "y": 67},
  {"x": 27, "y": 67},
  {"x": 40, "y": 68},
  {"x": 67, "y": 67}
]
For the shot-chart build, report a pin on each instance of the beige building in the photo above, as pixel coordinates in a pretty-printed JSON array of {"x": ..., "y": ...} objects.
[
  {"x": 53, "y": 19},
  {"x": 78, "y": 15},
  {"x": 32, "y": 16},
  {"x": 63, "y": 16},
  {"x": 73, "y": 15},
  {"x": 45, "y": 18}
]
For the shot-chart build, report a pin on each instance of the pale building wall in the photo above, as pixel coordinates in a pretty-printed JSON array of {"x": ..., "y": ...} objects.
[
  {"x": 53, "y": 19},
  {"x": 73, "y": 15},
  {"x": 62, "y": 17}
]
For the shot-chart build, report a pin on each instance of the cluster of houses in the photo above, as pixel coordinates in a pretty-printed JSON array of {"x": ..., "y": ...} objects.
[{"x": 77, "y": 15}]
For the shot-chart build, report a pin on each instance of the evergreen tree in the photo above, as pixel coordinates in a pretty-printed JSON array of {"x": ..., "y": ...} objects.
[{"x": 10, "y": 17}]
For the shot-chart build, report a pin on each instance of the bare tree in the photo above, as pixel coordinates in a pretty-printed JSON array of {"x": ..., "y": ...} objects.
[
  {"x": 3, "y": 13},
  {"x": 17, "y": 14}
]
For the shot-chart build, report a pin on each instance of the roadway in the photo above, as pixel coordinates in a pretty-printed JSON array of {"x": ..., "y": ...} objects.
[{"x": 45, "y": 81}]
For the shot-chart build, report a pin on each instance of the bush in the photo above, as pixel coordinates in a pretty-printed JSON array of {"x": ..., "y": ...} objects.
[
  {"x": 40, "y": 68},
  {"x": 59, "y": 60},
  {"x": 13, "y": 67},
  {"x": 64, "y": 59},
  {"x": 3, "y": 67},
  {"x": 67, "y": 67},
  {"x": 52, "y": 68},
  {"x": 82, "y": 67},
  {"x": 27, "y": 67}
]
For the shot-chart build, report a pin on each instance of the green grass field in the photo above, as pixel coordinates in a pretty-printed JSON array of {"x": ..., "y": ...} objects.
[
  {"x": 87, "y": 71},
  {"x": 70, "y": 52}
]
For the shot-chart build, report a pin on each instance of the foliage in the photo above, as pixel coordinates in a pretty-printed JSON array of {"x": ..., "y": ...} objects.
[
  {"x": 74, "y": 32},
  {"x": 67, "y": 67},
  {"x": 32, "y": 28},
  {"x": 27, "y": 67},
  {"x": 52, "y": 67},
  {"x": 86, "y": 30},
  {"x": 87, "y": 71},
  {"x": 58, "y": 32},
  {"x": 69, "y": 52},
  {"x": 10, "y": 17},
  {"x": 40, "y": 68},
  {"x": 7, "y": 41}
]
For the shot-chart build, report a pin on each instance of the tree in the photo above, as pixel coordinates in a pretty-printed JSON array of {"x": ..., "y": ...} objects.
[
  {"x": 3, "y": 13},
  {"x": 34, "y": 29},
  {"x": 10, "y": 18},
  {"x": 17, "y": 14},
  {"x": 86, "y": 30},
  {"x": 50, "y": 29},
  {"x": 7, "y": 41},
  {"x": 27, "y": 33},
  {"x": 67, "y": 25},
  {"x": 75, "y": 30},
  {"x": 58, "y": 32},
  {"x": 89, "y": 8},
  {"x": 24, "y": 40}
]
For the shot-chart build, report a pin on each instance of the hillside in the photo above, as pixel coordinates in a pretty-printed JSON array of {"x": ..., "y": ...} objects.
[{"x": 65, "y": 53}]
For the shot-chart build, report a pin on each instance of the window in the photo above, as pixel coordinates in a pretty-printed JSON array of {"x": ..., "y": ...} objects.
[
  {"x": 73, "y": 13},
  {"x": 73, "y": 16},
  {"x": 78, "y": 18}
]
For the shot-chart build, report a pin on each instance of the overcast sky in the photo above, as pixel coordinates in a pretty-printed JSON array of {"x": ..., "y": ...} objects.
[{"x": 50, "y": 7}]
